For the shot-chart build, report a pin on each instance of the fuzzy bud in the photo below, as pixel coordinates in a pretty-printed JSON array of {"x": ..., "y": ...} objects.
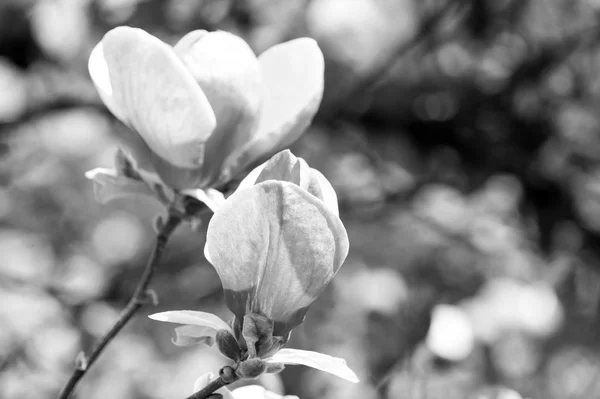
[
  {"x": 251, "y": 368},
  {"x": 228, "y": 345}
]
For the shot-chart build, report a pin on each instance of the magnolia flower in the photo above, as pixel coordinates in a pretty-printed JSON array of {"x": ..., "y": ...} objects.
[
  {"x": 245, "y": 392},
  {"x": 285, "y": 166},
  {"x": 206, "y": 108},
  {"x": 275, "y": 246}
]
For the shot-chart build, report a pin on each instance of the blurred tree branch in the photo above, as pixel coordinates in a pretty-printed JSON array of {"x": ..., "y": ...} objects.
[{"x": 140, "y": 298}]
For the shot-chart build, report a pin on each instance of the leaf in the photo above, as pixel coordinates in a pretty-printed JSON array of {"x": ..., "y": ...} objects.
[
  {"x": 319, "y": 361},
  {"x": 228, "y": 345}
]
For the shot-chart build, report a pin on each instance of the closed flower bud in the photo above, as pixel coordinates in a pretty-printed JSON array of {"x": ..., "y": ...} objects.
[
  {"x": 275, "y": 247},
  {"x": 228, "y": 345},
  {"x": 274, "y": 368},
  {"x": 251, "y": 368},
  {"x": 284, "y": 166}
]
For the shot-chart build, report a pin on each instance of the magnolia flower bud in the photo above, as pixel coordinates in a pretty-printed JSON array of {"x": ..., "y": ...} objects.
[
  {"x": 251, "y": 368},
  {"x": 284, "y": 166},
  {"x": 228, "y": 345},
  {"x": 275, "y": 247}
]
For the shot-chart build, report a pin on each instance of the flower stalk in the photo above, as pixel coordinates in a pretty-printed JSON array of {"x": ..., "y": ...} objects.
[
  {"x": 226, "y": 377},
  {"x": 140, "y": 298}
]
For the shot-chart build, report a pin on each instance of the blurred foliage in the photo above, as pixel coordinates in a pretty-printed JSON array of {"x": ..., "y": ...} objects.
[{"x": 462, "y": 137}]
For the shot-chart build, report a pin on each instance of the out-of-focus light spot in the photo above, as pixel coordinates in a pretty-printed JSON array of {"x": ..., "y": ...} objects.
[
  {"x": 176, "y": 378},
  {"x": 76, "y": 133},
  {"x": 354, "y": 178},
  {"x": 435, "y": 106},
  {"x": 499, "y": 393},
  {"x": 539, "y": 310},
  {"x": 527, "y": 102},
  {"x": 54, "y": 346},
  {"x": 587, "y": 194},
  {"x": 490, "y": 234},
  {"x": 25, "y": 312},
  {"x": 6, "y": 203},
  {"x": 117, "y": 11},
  {"x": 212, "y": 11},
  {"x": 118, "y": 238},
  {"x": 82, "y": 278},
  {"x": 454, "y": 60},
  {"x": 561, "y": 81},
  {"x": 61, "y": 26},
  {"x": 360, "y": 32},
  {"x": 513, "y": 48},
  {"x": 500, "y": 195},
  {"x": 13, "y": 100},
  {"x": 98, "y": 317},
  {"x": 450, "y": 335},
  {"x": 491, "y": 76},
  {"x": 573, "y": 373},
  {"x": 25, "y": 256},
  {"x": 507, "y": 393},
  {"x": 508, "y": 305},
  {"x": 515, "y": 355},
  {"x": 444, "y": 205},
  {"x": 382, "y": 290}
]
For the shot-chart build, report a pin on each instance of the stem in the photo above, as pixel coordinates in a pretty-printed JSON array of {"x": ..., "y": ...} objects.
[
  {"x": 209, "y": 389},
  {"x": 137, "y": 301}
]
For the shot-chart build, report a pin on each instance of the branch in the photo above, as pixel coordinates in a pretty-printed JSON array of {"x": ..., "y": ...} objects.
[
  {"x": 137, "y": 301},
  {"x": 209, "y": 389},
  {"x": 226, "y": 377}
]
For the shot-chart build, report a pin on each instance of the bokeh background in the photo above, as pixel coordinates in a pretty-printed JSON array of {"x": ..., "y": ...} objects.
[{"x": 462, "y": 137}]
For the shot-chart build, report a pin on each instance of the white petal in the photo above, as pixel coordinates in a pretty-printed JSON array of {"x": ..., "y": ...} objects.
[
  {"x": 293, "y": 77},
  {"x": 193, "y": 318},
  {"x": 101, "y": 78},
  {"x": 212, "y": 198},
  {"x": 158, "y": 94},
  {"x": 109, "y": 185},
  {"x": 328, "y": 195},
  {"x": 228, "y": 72},
  {"x": 281, "y": 167},
  {"x": 319, "y": 361},
  {"x": 250, "y": 179}
]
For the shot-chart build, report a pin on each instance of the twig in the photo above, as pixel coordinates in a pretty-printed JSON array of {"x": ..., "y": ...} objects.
[
  {"x": 137, "y": 301},
  {"x": 209, "y": 389}
]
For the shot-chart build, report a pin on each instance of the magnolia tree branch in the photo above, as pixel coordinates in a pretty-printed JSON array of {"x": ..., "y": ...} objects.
[
  {"x": 209, "y": 389},
  {"x": 137, "y": 301}
]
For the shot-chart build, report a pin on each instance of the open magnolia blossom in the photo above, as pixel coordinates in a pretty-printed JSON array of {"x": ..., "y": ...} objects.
[
  {"x": 207, "y": 108},
  {"x": 245, "y": 392},
  {"x": 275, "y": 246}
]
